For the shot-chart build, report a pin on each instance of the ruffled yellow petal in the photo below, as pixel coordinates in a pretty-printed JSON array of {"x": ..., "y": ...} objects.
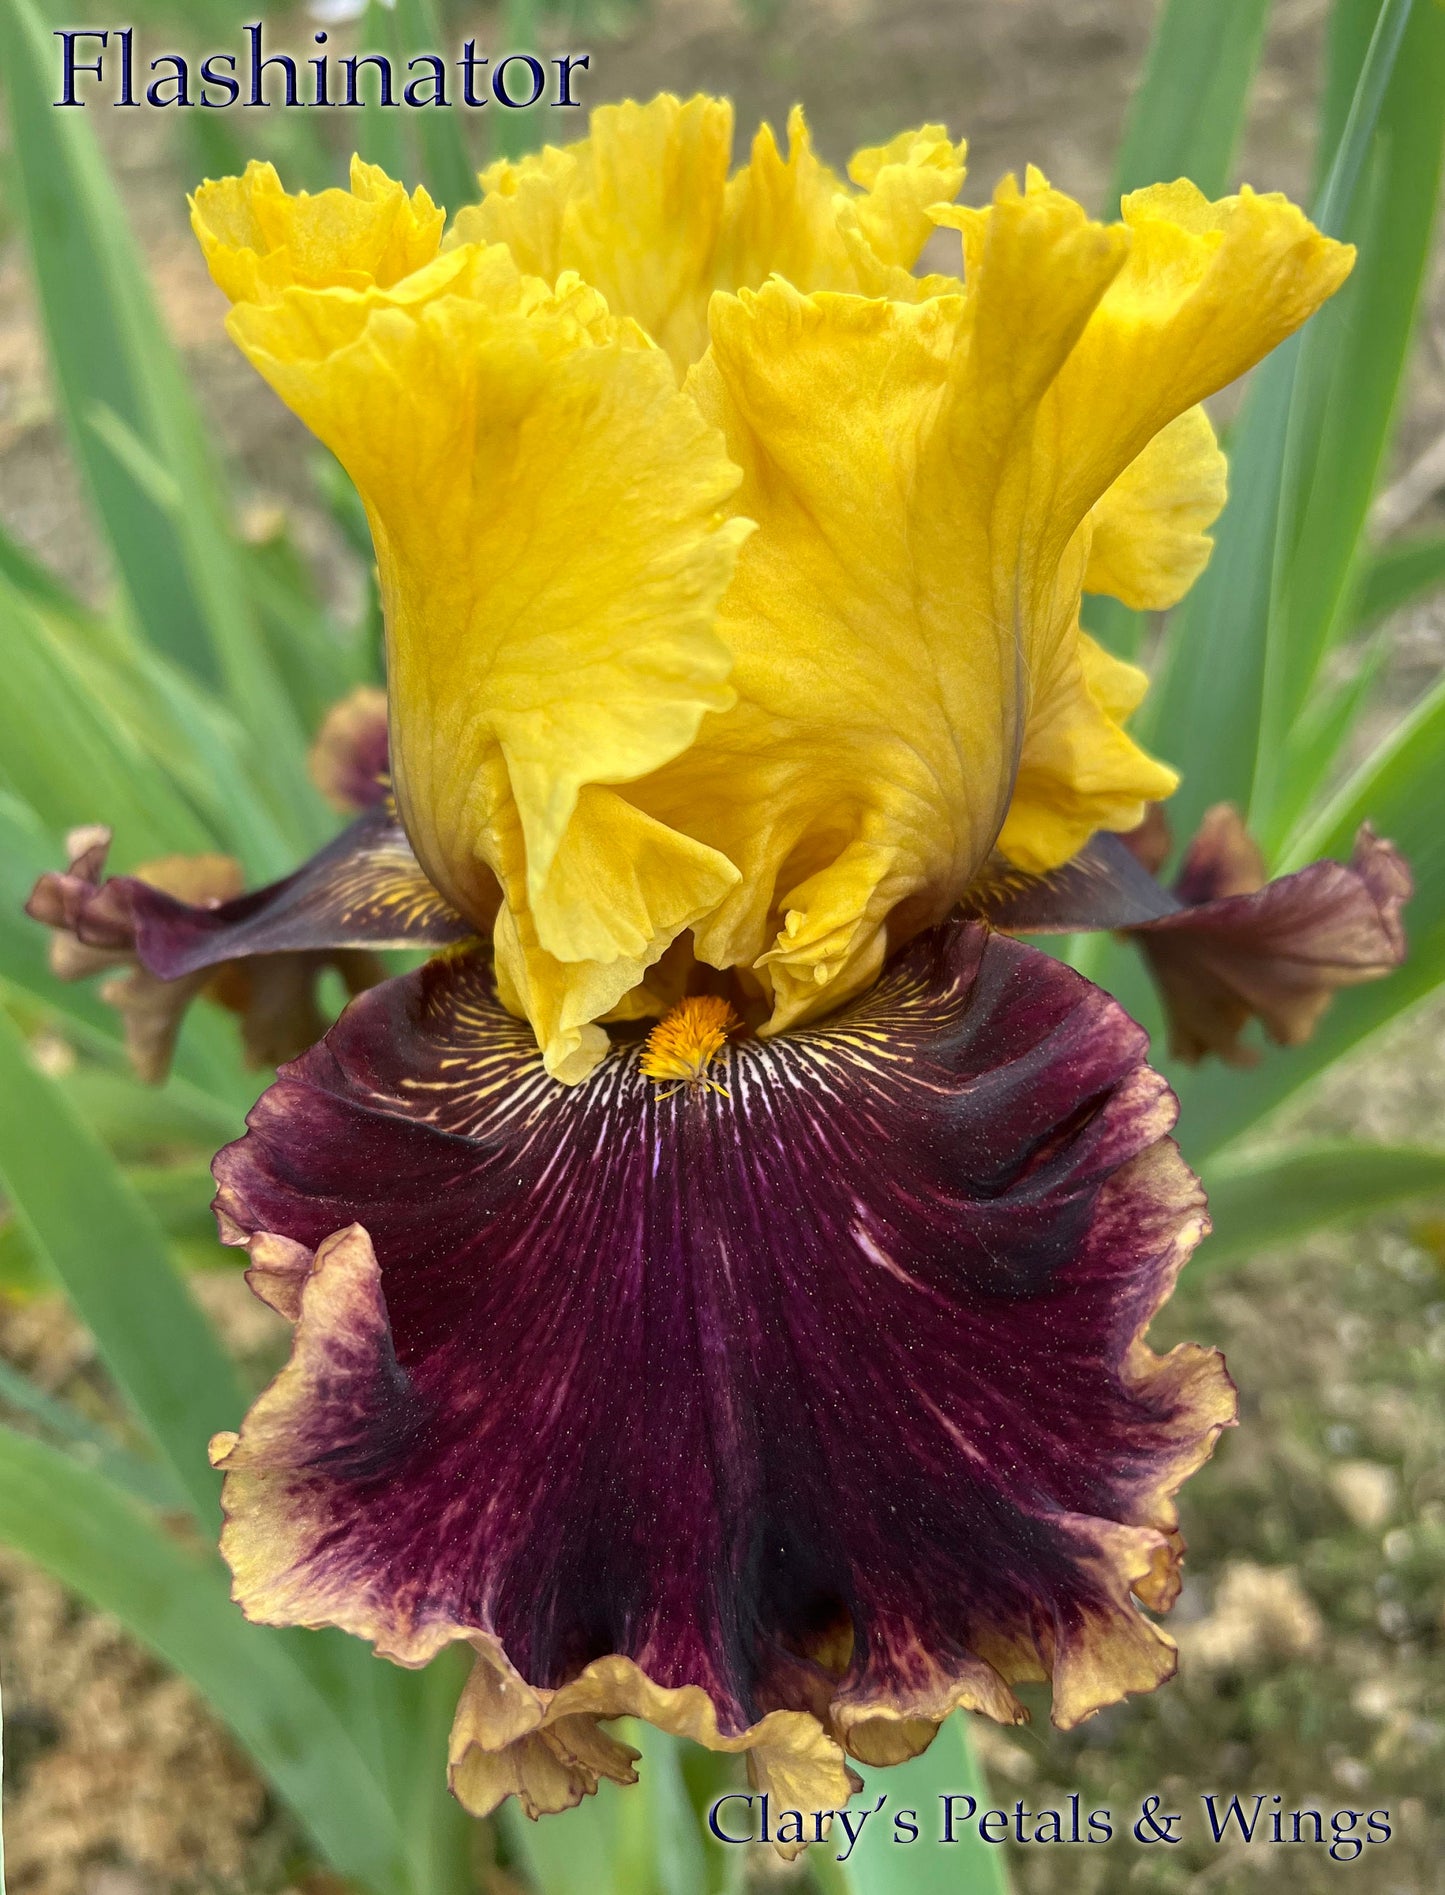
[
  {"x": 779, "y": 217},
  {"x": 881, "y": 677},
  {"x": 1080, "y": 771},
  {"x": 822, "y": 785},
  {"x": 545, "y": 506},
  {"x": 789, "y": 780},
  {"x": 524, "y": 206},
  {"x": 644, "y": 210},
  {"x": 258, "y": 239},
  {"x": 901, "y": 183},
  {"x": 1207, "y": 291},
  {"x": 1199, "y": 292},
  {"x": 912, "y": 680},
  {"x": 634, "y": 209},
  {"x": 794, "y": 217},
  {"x": 1151, "y": 539},
  {"x": 621, "y": 888}
]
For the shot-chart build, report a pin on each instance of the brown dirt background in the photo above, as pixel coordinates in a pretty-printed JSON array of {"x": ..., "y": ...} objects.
[{"x": 1313, "y": 1619}]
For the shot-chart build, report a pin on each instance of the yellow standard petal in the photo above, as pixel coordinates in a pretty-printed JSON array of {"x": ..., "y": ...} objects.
[
  {"x": 879, "y": 657},
  {"x": 643, "y": 209},
  {"x": 1080, "y": 770},
  {"x": 1206, "y": 292},
  {"x": 258, "y": 239},
  {"x": 790, "y": 774},
  {"x": 547, "y": 515},
  {"x": 901, "y": 183},
  {"x": 931, "y": 481},
  {"x": 1151, "y": 528},
  {"x": 634, "y": 209},
  {"x": 1122, "y": 477},
  {"x": 794, "y": 217}
]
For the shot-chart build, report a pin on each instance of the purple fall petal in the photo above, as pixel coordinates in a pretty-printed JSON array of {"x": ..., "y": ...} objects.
[
  {"x": 1225, "y": 945},
  {"x": 180, "y": 928},
  {"x": 1104, "y": 887},
  {"x": 790, "y": 1417},
  {"x": 365, "y": 889},
  {"x": 1241, "y": 948}
]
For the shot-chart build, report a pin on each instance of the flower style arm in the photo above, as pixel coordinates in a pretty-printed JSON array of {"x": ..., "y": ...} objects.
[{"x": 365, "y": 889}]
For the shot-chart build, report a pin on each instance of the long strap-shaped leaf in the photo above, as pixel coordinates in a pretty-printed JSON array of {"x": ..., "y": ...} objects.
[
  {"x": 106, "y": 1247},
  {"x": 516, "y": 131},
  {"x": 1187, "y": 115},
  {"x": 1203, "y": 711},
  {"x": 79, "y": 273},
  {"x": 151, "y": 1482},
  {"x": 884, "y": 1862},
  {"x": 71, "y": 761},
  {"x": 1207, "y": 711},
  {"x": 1185, "y": 121},
  {"x": 450, "y": 174},
  {"x": 384, "y": 137},
  {"x": 641, "y": 1841},
  {"x": 109, "y": 1252},
  {"x": 1400, "y": 572},
  {"x": 1273, "y": 1196},
  {"x": 181, "y": 566},
  {"x": 1397, "y": 789},
  {"x": 1352, "y": 367},
  {"x": 99, "y": 1542}
]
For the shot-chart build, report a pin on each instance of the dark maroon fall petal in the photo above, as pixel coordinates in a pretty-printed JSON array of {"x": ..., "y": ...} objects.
[
  {"x": 365, "y": 889},
  {"x": 82, "y": 945},
  {"x": 1241, "y": 948},
  {"x": 790, "y": 1415},
  {"x": 1224, "y": 945},
  {"x": 1223, "y": 860},
  {"x": 180, "y": 928},
  {"x": 64, "y": 900}
]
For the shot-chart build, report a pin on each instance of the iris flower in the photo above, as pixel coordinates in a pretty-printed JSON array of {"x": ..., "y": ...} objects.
[{"x": 720, "y": 1274}]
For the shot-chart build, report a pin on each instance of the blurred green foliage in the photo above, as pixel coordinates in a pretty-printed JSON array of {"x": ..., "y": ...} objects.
[{"x": 181, "y": 713}]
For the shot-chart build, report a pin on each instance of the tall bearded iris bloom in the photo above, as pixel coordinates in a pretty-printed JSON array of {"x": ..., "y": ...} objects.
[{"x": 720, "y": 1275}]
